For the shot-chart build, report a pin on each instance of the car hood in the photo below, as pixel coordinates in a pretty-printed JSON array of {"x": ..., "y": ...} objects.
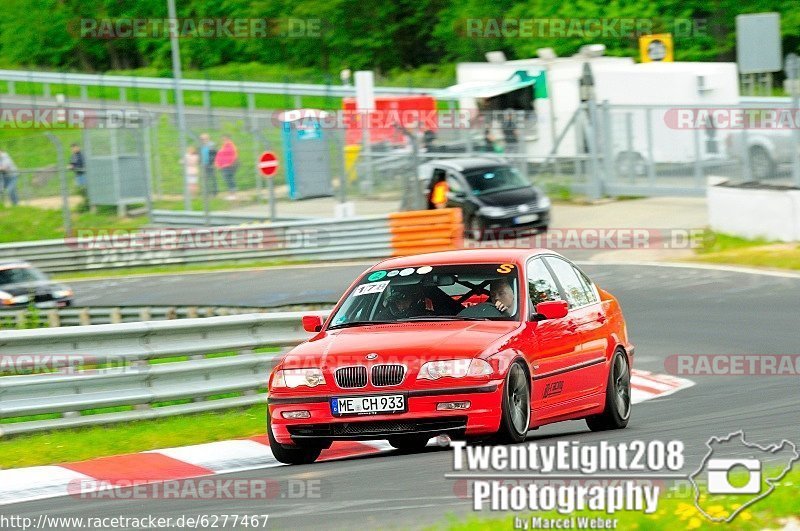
[
  {"x": 24, "y": 288},
  {"x": 408, "y": 343},
  {"x": 506, "y": 198}
]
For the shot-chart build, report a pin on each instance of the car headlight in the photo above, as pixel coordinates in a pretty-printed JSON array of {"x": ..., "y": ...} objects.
[
  {"x": 433, "y": 370},
  {"x": 292, "y": 378},
  {"x": 544, "y": 202},
  {"x": 61, "y": 293},
  {"x": 492, "y": 212}
]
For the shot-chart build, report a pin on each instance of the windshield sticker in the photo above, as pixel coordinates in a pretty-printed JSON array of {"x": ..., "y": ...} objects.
[
  {"x": 505, "y": 268},
  {"x": 367, "y": 289},
  {"x": 407, "y": 271},
  {"x": 424, "y": 270},
  {"x": 377, "y": 275},
  {"x": 393, "y": 273}
]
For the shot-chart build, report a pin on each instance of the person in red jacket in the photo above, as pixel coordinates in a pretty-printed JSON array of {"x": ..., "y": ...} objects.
[{"x": 227, "y": 160}]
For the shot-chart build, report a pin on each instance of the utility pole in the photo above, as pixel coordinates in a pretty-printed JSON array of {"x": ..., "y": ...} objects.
[{"x": 177, "y": 77}]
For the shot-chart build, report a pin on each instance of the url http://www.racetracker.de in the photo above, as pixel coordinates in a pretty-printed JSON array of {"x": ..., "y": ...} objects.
[{"x": 197, "y": 521}]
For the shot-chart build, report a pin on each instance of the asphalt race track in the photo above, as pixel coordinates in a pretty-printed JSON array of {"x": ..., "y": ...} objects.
[{"x": 669, "y": 311}]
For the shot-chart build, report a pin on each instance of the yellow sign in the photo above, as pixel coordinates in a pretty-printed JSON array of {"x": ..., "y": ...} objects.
[{"x": 656, "y": 48}]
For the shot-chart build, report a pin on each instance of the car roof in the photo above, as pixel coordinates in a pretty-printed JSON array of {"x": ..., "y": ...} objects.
[
  {"x": 468, "y": 163},
  {"x": 463, "y": 256}
]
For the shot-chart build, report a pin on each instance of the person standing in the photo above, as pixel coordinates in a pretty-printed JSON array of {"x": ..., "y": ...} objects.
[
  {"x": 208, "y": 152},
  {"x": 510, "y": 132},
  {"x": 8, "y": 178},
  {"x": 488, "y": 141},
  {"x": 227, "y": 160},
  {"x": 439, "y": 192},
  {"x": 77, "y": 165},
  {"x": 191, "y": 162}
]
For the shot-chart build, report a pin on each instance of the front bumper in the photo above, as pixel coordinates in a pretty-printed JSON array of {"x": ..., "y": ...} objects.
[
  {"x": 518, "y": 220},
  {"x": 420, "y": 418}
]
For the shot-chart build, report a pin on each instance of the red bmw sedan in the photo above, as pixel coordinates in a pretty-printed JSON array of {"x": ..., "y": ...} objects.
[{"x": 472, "y": 344}]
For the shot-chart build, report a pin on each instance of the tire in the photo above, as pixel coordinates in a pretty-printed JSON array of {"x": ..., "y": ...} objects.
[
  {"x": 409, "y": 443},
  {"x": 630, "y": 162},
  {"x": 475, "y": 228},
  {"x": 300, "y": 455},
  {"x": 617, "y": 412},
  {"x": 516, "y": 406},
  {"x": 761, "y": 164}
]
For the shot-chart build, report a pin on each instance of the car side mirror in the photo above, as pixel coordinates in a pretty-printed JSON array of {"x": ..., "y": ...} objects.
[
  {"x": 552, "y": 309},
  {"x": 312, "y": 323}
]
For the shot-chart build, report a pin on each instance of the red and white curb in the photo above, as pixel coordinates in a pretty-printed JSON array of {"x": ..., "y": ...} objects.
[
  {"x": 646, "y": 385},
  {"x": 172, "y": 464}
]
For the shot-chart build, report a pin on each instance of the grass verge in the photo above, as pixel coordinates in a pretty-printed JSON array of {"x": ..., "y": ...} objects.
[
  {"x": 732, "y": 250},
  {"x": 63, "y": 446},
  {"x": 25, "y": 223},
  {"x": 674, "y": 512}
]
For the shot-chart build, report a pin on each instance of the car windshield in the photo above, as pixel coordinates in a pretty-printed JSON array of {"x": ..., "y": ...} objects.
[
  {"x": 19, "y": 275},
  {"x": 435, "y": 293},
  {"x": 494, "y": 179}
]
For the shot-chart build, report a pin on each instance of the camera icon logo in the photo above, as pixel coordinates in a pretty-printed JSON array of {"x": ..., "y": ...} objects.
[
  {"x": 719, "y": 476},
  {"x": 735, "y": 474}
]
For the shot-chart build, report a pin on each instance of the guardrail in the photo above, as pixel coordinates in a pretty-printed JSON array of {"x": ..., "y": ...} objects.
[
  {"x": 200, "y": 85},
  {"x": 96, "y": 315},
  {"x": 320, "y": 239},
  {"x": 134, "y": 384}
]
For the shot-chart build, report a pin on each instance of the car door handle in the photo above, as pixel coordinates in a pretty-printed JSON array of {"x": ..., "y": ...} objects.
[
  {"x": 572, "y": 327},
  {"x": 601, "y": 318}
]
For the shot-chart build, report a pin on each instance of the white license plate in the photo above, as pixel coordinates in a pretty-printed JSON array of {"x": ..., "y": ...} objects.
[
  {"x": 528, "y": 218},
  {"x": 47, "y": 304},
  {"x": 368, "y": 405}
]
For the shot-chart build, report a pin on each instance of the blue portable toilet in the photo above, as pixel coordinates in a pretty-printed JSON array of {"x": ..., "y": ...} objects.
[{"x": 306, "y": 153}]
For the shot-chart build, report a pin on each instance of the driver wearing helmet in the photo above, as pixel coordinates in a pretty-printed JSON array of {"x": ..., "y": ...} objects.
[{"x": 406, "y": 301}]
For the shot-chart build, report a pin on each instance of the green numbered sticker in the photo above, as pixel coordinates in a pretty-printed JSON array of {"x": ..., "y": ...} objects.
[{"x": 377, "y": 275}]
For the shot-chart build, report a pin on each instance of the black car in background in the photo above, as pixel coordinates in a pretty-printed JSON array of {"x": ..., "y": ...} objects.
[
  {"x": 22, "y": 284},
  {"x": 492, "y": 194}
]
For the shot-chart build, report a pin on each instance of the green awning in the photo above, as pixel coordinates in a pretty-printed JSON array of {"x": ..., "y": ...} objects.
[{"x": 482, "y": 89}]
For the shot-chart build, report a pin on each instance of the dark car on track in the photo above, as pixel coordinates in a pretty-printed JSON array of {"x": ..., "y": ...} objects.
[
  {"x": 492, "y": 195},
  {"x": 22, "y": 284}
]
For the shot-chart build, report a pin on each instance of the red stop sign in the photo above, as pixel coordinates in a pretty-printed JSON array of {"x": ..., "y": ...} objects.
[{"x": 268, "y": 163}]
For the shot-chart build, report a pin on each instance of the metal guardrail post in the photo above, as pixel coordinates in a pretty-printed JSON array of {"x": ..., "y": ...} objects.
[
  {"x": 745, "y": 154},
  {"x": 629, "y": 147},
  {"x": 608, "y": 142},
  {"x": 62, "y": 178},
  {"x": 53, "y": 319},
  {"x": 651, "y": 169},
  {"x": 594, "y": 184},
  {"x": 698, "y": 160}
]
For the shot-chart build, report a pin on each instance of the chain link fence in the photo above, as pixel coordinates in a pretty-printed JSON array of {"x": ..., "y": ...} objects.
[{"x": 602, "y": 150}]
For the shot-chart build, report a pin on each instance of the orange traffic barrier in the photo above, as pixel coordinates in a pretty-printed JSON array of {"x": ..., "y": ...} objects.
[{"x": 426, "y": 231}]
